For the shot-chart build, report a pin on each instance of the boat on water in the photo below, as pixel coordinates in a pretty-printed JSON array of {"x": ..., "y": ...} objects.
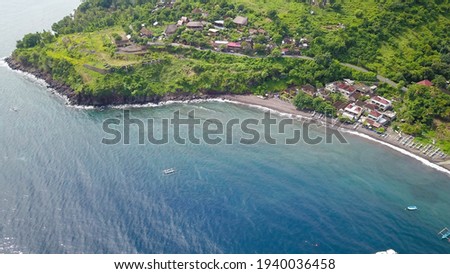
[
  {"x": 389, "y": 251},
  {"x": 445, "y": 234},
  {"x": 169, "y": 171},
  {"x": 412, "y": 208}
]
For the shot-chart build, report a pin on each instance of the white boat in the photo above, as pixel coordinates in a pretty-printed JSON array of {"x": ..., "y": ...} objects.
[
  {"x": 412, "y": 208},
  {"x": 169, "y": 171},
  {"x": 389, "y": 251}
]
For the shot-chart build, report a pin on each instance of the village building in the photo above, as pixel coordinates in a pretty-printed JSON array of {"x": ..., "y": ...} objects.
[
  {"x": 340, "y": 105},
  {"x": 262, "y": 31},
  {"x": 234, "y": 46},
  {"x": 285, "y": 51},
  {"x": 309, "y": 89},
  {"x": 362, "y": 88},
  {"x": 195, "y": 25},
  {"x": 391, "y": 115},
  {"x": 353, "y": 112},
  {"x": 323, "y": 93},
  {"x": 349, "y": 82},
  {"x": 183, "y": 20},
  {"x": 219, "y": 24},
  {"x": 144, "y": 32},
  {"x": 240, "y": 21},
  {"x": 253, "y": 31},
  {"x": 331, "y": 87},
  {"x": 375, "y": 115},
  {"x": 171, "y": 29},
  {"x": 345, "y": 89},
  {"x": 213, "y": 32},
  {"x": 354, "y": 96},
  {"x": 426, "y": 83},
  {"x": 372, "y": 124},
  {"x": 381, "y": 103},
  {"x": 122, "y": 42},
  {"x": 369, "y": 106},
  {"x": 221, "y": 43}
]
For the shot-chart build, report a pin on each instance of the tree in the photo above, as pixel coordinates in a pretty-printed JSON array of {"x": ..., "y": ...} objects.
[
  {"x": 276, "y": 53},
  {"x": 29, "y": 41},
  {"x": 272, "y": 14},
  {"x": 440, "y": 81},
  {"x": 324, "y": 59}
]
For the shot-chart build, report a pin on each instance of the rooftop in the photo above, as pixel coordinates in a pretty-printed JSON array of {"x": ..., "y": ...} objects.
[
  {"x": 171, "y": 29},
  {"x": 425, "y": 82},
  {"x": 240, "y": 20},
  {"x": 194, "y": 24},
  {"x": 234, "y": 45},
  {"x": 381, "y": 100},
  {"x": 375, "y": 113}
]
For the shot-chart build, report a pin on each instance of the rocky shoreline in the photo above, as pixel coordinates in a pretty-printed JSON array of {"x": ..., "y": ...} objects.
[{"x": 82, "y": 99}]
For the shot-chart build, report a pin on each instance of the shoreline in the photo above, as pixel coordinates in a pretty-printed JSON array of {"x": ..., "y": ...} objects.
[
  {"x": 286, "y": 108},
  {"x": 282, "y": 108}
]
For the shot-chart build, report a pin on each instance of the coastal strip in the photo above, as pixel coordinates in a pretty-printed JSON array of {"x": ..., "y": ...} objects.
[
  {"x": 285, "y": 108},
  {"x": 278, "y": 106}
]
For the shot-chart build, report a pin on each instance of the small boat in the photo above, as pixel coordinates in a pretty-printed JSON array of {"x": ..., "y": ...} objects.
[
  {"x": 14, "y": 109},
  {"x": 445, "y": 234},
  {"x": 412, "y": 208},
  {"x": 389, "y": 251},
  {"x": 169, "y": 171}
]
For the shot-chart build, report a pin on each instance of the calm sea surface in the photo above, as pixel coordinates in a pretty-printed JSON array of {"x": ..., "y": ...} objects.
[{"x": 62, "y": 191}]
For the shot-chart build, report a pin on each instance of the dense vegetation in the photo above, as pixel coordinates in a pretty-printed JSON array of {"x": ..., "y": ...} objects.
[
  {"x": 405, "y": 40},
  {"x": 425, "y": 111}
]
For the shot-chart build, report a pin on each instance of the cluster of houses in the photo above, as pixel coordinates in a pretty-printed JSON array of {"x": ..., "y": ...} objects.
[
  {"x": 213, "y": 28},
  {"x": 288, "y": 46},
  {"x": 362, "y": 104},
  {"x": 245, "y": 43}
]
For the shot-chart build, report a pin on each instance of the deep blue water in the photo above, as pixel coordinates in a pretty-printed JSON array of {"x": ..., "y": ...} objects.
[{"x": 62, "y": 191}]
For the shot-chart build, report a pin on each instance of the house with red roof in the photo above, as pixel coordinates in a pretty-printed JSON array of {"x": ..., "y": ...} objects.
[
  {"x": 353, "y": 112},
  {"x": 425, "y": 82},
  {"x": 373, "y": 124},
  {"x": 234, "y": 45},
  {"x": 375, "y": 115},
  {"x": 345, "y": 89},
  {"x": 381, "y": 103}
]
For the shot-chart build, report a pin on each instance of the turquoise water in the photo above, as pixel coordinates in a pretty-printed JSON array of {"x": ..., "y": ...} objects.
[{"x": 62, "y": 191}]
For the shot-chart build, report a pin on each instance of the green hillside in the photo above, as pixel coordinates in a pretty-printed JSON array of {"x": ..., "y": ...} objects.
[{"x": 404, "y": 40}]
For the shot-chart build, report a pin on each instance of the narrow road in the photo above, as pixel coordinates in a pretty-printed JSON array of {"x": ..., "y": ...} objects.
[{"x": 379, "y": 77}]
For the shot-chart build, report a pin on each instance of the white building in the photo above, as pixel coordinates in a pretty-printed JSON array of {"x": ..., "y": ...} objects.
[{"x": 380, "y": 102}]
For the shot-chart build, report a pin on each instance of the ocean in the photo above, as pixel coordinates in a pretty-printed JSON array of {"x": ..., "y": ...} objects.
[{"x": 63, "y": 191}]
